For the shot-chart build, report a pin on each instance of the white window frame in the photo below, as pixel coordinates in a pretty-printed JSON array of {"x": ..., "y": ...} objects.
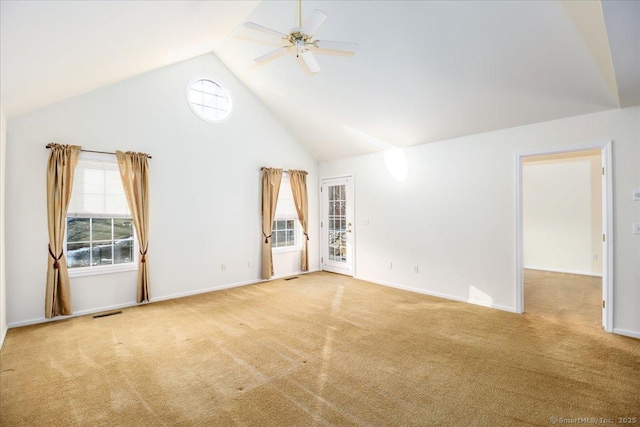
[
  {"x": 105, "y": 269},
  {"x": 224, "y": 88},
  {"x": 297, "y": 235},
  {"x": 102, "y": 269}
]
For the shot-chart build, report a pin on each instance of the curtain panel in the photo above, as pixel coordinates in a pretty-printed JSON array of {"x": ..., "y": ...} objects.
[
  {"x": 271, "y": 179},
  {"x": 298, "y": 181},
  {"x": 134, "y": 171},
  {"x": 60, "y": 170}
]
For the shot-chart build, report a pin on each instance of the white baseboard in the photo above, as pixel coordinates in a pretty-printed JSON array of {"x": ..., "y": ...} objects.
[
  {"x": 556, "y": 270},
  {"x": 157, "y": 299},
  {"x": 205, "y": 290},
  {"x": 131, "y": 304},
  {"x": 3, "y": 334},
  {"x": 439, "y": 295},
  {"x": 76, "y": 314},
  {"x": 226, "y": 286},
  {"x": 626, "y": 333}
]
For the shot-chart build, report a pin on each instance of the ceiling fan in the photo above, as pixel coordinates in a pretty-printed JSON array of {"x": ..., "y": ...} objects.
[{"x": 301, "y": 38}]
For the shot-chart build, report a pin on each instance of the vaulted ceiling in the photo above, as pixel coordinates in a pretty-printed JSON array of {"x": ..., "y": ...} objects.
[
  {"x": 52, "y": 50},
  {"x": 425, "y": 71}
]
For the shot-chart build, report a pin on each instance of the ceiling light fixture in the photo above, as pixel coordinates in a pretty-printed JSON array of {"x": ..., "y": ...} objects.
[{"x": 301, "y": 37}]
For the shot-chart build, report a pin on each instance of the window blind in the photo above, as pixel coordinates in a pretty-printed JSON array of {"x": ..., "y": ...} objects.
[
  {"x": 97, "y": 190},
  {"x": 285, "y": 207}
]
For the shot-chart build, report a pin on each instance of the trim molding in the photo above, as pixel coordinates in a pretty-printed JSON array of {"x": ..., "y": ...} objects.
[
  {"x": 608, "y": 278},
  {"x": 76, "y": 314},
  {"x": 556, "y": 270},
  {"x": 626, "y": 333},
  {"x": 3, "y": 335},
  {"x": 204, "y": 291},
  {"x": 438, "y": 294},
  {"x": 157, "y": 299},
  {"x": 352, "y": 176}
]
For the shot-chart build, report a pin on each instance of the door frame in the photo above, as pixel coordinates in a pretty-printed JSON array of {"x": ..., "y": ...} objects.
[
  {"x": 605, "y": 148},
  {"x": 321, "y": 208}
]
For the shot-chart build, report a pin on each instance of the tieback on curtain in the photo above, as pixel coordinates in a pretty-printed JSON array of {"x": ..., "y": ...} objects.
[
  {"x": 144, "y": 253},
  {"x": 266, "y": 238},
  {"x": 305, "y": 233},
  {"x": 56, "y": 264}
]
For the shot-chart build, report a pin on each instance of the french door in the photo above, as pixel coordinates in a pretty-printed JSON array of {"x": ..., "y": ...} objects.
[{"x": 337, "y": 226}]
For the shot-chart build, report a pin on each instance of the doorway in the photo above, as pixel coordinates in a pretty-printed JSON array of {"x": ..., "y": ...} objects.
[
  {"x": 598, "y": 248},
  {"x": 337, "y": 225}
]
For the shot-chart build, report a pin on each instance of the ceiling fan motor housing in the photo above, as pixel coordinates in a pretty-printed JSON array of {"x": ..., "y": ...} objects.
[{"x": 301, "y": 37}]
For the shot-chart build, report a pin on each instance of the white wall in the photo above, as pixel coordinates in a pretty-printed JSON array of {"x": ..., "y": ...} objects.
[
  {"x": 562, "y": 214},
  {"x": 454, "y": 215},
  {"x": 205, "y": 186},
  {"x": 3, "y": 293}
]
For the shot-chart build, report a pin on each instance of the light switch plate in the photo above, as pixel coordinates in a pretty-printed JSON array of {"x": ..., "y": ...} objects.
[
  {"x": 636, "y": 228},
  {"x": 636, "y": 195}
]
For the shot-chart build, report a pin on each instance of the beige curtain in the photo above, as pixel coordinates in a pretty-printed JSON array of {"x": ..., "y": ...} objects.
[
  {"x": 134, "y": 171},
  {"x": 271, "y": 179},
  {"x": 300, "y": 198},
  {"x": 60, "y": 169}
]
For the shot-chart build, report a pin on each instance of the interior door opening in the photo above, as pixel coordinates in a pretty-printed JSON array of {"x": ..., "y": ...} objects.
[{"x": 564, "y": 234}]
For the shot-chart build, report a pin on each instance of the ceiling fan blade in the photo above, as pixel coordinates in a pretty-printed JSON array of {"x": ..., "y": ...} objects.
[
  {"x": 310, "y": 61},
  {"x": 260, "y": 28},
  {"x": 315, "y": 20},
  {"x": 273, "y": 54},
  {"x": 341, "y": 46}
]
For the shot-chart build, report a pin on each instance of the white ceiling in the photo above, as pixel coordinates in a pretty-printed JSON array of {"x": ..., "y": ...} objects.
[
  {"x": 426, "y": 71},
  {"x": 429, "y": 71},
  {"x": 52, "y": 50}
]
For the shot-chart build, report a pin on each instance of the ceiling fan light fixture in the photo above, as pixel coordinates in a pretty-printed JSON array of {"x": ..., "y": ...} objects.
[{"x": 301, "y": 37}]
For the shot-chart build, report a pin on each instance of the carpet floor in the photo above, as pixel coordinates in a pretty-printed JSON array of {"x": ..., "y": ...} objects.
[
  {"x": 568, "y": 298},
  {"x": 320, "y": 350}
]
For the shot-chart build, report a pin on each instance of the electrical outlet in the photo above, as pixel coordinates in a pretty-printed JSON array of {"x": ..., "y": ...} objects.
[
  {"x": 595, "y": 257},
  {"x": 224, "y": 267},
  {"x": 636, "y": 195},
  {"x": 390, "y": 265},
  {"x": 636, "y": 228},
  {"x": 249, "y": 264},
  {"x": 415, "y": 269}
]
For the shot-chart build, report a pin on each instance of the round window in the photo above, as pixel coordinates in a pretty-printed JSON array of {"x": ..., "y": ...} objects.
[{"x": 209, "y": 100}]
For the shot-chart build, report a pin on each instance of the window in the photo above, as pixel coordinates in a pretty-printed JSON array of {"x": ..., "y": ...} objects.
[
  {"x": 285, "y": 235},
  {"x": 99, "y": 241},
  {"x": 100, "y": 232},
  {"x": 209, "y": 100}
]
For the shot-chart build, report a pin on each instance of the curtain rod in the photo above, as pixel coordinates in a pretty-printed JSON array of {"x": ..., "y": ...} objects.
[
  {"x": 94, "y": 151},
  {"x": 283, "y": 170}
]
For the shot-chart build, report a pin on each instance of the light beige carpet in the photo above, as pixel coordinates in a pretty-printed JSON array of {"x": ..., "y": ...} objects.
[
  {"x": 322, "y": 349},
  {"x": 566, "y": 298}
]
